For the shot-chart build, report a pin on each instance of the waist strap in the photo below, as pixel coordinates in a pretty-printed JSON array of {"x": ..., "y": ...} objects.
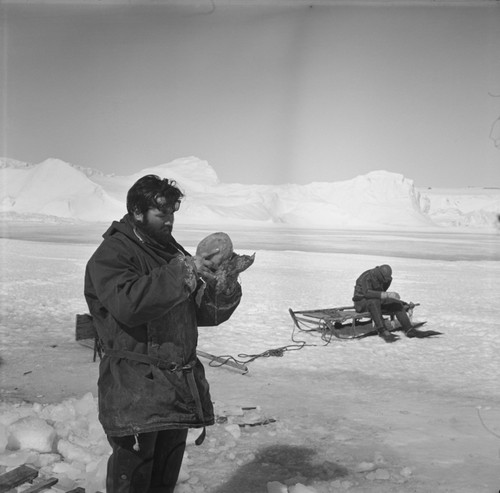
[
  {"x": 149, "y": 360},
  {"x": 172, "y": 367}
]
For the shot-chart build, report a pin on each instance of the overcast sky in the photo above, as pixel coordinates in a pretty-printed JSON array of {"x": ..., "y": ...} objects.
[{"x": 267, "y": 94}]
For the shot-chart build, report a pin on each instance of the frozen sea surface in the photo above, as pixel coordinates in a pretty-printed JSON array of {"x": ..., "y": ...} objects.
[
  {"x": 455, "y": 278},
  {"x": 411, "y": 409},
  {"x": 436, "y": 244}
]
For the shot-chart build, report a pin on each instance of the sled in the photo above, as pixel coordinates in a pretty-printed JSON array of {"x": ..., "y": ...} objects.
[{"x": 345, "y": 322}]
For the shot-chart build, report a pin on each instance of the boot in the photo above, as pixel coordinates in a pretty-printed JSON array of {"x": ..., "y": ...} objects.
[
  {"x": 420, "y": 334},
  {"x": 387, "y": 335}
]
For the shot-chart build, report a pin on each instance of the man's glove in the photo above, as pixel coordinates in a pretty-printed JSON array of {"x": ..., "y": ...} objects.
[
  {"x": 229, "y": 270},
  {"x": 190, "y": 277},
  {"x": 390, "y": 294}
]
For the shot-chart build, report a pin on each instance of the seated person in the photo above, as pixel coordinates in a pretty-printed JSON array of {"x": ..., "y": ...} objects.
[{"x": 371, "y": 295}]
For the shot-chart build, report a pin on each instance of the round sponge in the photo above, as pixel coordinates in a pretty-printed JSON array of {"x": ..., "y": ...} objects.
[{"x": 215, "y": 241}]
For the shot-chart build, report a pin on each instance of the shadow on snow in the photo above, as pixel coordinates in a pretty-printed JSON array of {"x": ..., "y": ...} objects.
[{"x": 284, "y": 463}]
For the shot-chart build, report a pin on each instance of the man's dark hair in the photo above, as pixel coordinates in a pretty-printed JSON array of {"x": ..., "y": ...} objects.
[{"x": 150, "y": 192}]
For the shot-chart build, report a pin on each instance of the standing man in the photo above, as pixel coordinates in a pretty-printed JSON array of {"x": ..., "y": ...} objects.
[
  {"x": 370, "y": 294},
  {"x": 147, "y": 297}
]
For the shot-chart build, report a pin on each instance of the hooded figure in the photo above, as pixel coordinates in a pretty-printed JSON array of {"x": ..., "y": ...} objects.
[
  {"x": 371, "y": 295},
  {"x": 386, "y": 271},
  {"x": 147, "y": 296}
]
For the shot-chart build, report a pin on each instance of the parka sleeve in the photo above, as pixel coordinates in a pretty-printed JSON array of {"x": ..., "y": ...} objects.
[
  {"x": 370, "y": 288},
  {"x": 132, "y": 297}
]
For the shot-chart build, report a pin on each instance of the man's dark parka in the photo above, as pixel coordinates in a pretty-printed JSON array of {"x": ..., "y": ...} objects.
[
  {"x": 371, "y": 284},
  {"x": 147, "y": 305}
]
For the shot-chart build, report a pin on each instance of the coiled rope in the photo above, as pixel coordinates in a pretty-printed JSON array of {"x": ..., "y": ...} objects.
[{"x": 326, "y": 335}]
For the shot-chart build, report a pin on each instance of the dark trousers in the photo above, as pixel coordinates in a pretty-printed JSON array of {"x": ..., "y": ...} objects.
[
  {"x": 375, "y": 307},
  {"x": 153, "y": 468}
]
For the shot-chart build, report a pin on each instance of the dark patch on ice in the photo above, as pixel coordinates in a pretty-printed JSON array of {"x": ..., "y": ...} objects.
[{"x": 284, "y": 463}]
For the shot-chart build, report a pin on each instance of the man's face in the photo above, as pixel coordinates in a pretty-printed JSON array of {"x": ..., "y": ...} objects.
[{"x": 158, "y": 223}]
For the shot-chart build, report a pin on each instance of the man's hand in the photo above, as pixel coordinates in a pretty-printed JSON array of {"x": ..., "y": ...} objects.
[{"x": 205, "y": 266}]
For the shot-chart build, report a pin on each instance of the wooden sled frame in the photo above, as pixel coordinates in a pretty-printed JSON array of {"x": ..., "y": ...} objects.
[{"x": 345, "y": 322}]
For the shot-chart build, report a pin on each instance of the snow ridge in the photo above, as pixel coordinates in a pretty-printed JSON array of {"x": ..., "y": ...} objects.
[{"x": 377, "y": 200}]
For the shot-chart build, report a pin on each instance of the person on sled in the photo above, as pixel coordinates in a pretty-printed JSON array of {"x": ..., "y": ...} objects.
[
  {"x": 371, "y": 295},
  {"x": 148, "y": 296}
]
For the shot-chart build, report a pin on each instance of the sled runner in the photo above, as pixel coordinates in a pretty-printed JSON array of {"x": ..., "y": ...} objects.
[{"x": 345, "y": 322}]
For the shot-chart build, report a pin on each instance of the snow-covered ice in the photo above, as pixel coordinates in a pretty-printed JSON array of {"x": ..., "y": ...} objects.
[
  {"x": 318, "y": 395},
  {"x": 328, "y": 416}
]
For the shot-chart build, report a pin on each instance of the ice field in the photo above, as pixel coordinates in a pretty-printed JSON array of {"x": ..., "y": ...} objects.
[{"x": 416, "y": 415}]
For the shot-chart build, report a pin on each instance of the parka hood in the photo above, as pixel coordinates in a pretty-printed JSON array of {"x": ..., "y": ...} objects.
[
  {"x": 123, "y": 226},
  {"x": 384, "y": 272},
  {"x": 127, "y": 227}
]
